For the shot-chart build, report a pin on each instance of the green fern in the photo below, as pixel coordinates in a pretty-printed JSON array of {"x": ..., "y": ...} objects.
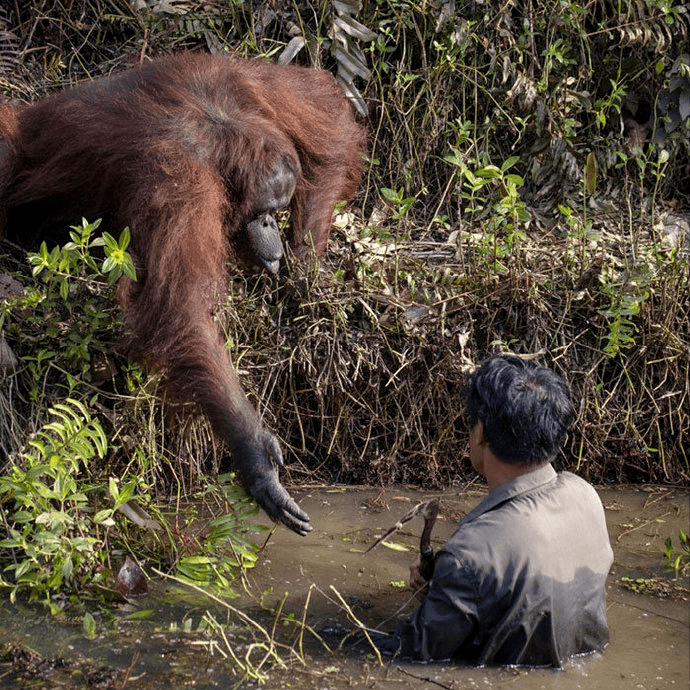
[
  {"x": 74, "y": 437},
  {"x": 43, "y": 502}
]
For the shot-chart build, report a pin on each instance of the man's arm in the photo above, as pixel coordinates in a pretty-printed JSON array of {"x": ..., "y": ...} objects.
[{"x": 447, "y": 619}]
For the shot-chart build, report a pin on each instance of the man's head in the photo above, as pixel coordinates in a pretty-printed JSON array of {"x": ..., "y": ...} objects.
[{"x": 524, "y": 408}]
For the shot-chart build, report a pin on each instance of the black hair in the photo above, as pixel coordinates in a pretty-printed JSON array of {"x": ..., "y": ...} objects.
[{"x": 525, "y": 409}]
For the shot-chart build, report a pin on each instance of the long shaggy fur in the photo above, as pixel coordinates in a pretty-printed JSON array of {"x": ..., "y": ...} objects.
[{"x": 179, "y": 150}]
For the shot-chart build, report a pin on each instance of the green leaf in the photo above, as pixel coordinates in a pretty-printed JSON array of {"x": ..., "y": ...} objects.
[
  {"x": 89, "y": 625},
  {"x": 111, "y": 244},
  {"x": 515, "y": 179},
  {"x": 490, "y": 172},
  {"x": 509, "y": 162},
  {"x": 128, "y": 269},
  {"x": 124, "y": 239},
  {"x": 395, "y": 546},
  {"x": 137, "y": 615},
  {"x": 104, "y": 517},
  {"x": 591, "y": 173}
]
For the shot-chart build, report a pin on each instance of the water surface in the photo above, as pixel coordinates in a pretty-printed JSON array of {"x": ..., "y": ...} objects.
[{"x": 305, "y": 576}]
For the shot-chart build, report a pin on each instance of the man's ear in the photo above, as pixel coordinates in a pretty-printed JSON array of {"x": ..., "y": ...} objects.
[
  {"x": 481, "y": 439},
  {"x": 477, "y": 432}
]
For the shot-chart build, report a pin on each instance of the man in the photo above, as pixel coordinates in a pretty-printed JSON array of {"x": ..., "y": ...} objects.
[{"x": 522, "y": 580}]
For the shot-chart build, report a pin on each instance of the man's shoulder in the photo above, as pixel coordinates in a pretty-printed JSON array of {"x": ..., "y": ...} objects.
[
  {"x": 570, "y": 477},
  {"x": 558, "y": 501},
  {"x": 573, "y": 482},
  {"x": 490, "y": 529}
]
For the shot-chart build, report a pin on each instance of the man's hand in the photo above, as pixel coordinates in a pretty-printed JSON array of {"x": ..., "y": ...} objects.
[{"x": 417, "y": 583}]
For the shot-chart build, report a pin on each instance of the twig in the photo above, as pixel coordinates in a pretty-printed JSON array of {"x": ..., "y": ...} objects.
[
  {"x": 129, "y": 670},
  {"x": 425, "y": 679},
  {"x": 359, "y": 624},
  {"x": 643, "y": 524}
]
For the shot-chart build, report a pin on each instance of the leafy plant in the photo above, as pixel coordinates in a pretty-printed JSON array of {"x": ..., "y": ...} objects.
[
  {"x": 57, "y": 540},
  {"x": 399, "y": 202},
  {"x": 75, "y": 258},
  {"x": 51, "y": 544},
  {"x": 69, "y": 319},
  {"x": 678, "y": 561},
  {"x": 226, "y": 548},
  {"x": 490, "y": 194}
]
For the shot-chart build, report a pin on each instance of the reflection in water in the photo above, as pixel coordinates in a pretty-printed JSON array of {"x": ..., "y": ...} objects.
[{"x": 649, "y": 646}]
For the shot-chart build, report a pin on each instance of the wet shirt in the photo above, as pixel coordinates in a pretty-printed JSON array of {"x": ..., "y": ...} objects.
[{"x": 522, "y": 580}]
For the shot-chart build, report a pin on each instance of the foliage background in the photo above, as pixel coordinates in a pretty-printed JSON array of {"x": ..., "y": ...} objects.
[{"x": 527, "y": 191}]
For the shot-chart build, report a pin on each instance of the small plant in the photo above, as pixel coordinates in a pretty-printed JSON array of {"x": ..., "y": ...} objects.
[
  {"x": 581, "y": 239},
  {"x": 678, "y": 561},
  {"x": 399, "y": 202},
  {"x": 52, "y": 543},
  {"x": 628, "y": 292},
  {"x": 66, "y": 323},
  {"x": 225, "y": 549},
  {"x": 490, "y": 195},
  {"x": 75, "y": 258}
]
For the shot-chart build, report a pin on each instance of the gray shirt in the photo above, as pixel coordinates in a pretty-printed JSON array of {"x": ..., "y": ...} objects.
[{"x": 522, "y": 580}]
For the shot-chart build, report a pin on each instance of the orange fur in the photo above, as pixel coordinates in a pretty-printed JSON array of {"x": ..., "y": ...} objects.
[{"x": 178, "y": 150}]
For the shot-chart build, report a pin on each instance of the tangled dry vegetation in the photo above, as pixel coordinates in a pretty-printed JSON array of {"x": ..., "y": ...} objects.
[
  {"x": 362, "y": 370},
  {"x": 514, "y": 201}
]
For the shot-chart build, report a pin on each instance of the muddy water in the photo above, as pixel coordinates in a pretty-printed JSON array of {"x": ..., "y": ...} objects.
[{"x": 650, "y": 640}]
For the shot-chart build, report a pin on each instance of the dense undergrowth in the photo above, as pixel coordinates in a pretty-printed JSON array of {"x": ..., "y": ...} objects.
[{"x": 527, "y": 190}]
